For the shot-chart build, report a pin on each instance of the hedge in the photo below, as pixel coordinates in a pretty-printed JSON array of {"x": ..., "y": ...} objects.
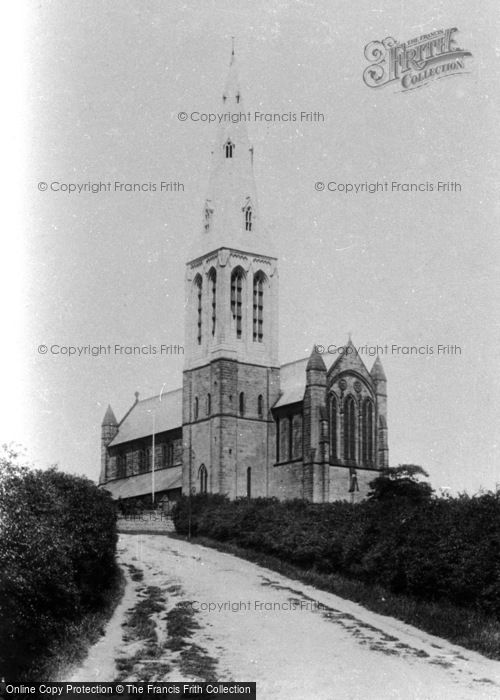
[
  {"x": 437, "y": 549},
  {"x": 57, "y": 553}
]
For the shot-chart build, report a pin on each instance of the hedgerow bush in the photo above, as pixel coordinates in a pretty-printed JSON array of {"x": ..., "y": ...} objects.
[
  {"x": 417, "y": 544},
  {"x": 57, "y": 559}
]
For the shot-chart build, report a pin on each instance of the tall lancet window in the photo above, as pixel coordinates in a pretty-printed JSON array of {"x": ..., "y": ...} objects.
[
  {"x": 333, "y": 428},
  {"x": 212, "y": 280},
  {"x": 236, "y": 299},
  {"x": 198, "y": 285},
  {"x": 248, "y": 217},
  {"x": 229, "y": 148},
  {"x": 367, "y": 432},
  {"x": 258, "y": 307},
  {"x": 349, "y": 429}
]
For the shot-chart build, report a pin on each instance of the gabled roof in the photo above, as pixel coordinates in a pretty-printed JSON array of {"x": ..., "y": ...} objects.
[
  {"x": 350, "y": 360},
  {"x": 167, "y": 410}
]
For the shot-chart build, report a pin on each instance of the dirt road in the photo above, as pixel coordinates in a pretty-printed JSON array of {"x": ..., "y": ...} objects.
[{"x": 192, "y": 613}]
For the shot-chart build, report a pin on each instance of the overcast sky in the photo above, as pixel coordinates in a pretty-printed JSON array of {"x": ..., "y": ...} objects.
[{"x": 106, "y": 82}]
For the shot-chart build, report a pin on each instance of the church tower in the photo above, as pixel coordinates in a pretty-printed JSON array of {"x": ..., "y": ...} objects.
[{"x": 231, "y": 376}]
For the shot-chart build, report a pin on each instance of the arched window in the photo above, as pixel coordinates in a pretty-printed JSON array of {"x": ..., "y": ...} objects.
[
  {"x": 333, "y": 428},
  {"x": 349, "y": 429},
  {"x": 258, "y": 307},
  {"x": 237, "y": 299},
  {"x": 260, "y": 406},
  {"x": 229, "y": 148},
  {"x": 249, "y": 482},
  {"x": 209, "y": 404},
  {"x": 212, "y": 280},
  {"x": 237, "y": 98},
  {"x": 198, "y": 283},
  {"x": 203, "y": 476},
  {"x": 196, "y": 408},
  {"x": 248, "y": 217},
  {"x": 296, "y": 436},
  {"x": 242, "y": 403},
  {"x": 367, "y": 432}
]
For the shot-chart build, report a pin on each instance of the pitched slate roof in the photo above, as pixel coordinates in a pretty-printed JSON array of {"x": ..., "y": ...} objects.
[
  {"x": 292, "y": 382},
  {"x": 167, "y": 409},
  {"x": 140, "y": 484}
]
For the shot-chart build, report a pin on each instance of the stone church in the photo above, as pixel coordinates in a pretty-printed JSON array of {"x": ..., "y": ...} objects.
[{"x": 241, "y": 424}]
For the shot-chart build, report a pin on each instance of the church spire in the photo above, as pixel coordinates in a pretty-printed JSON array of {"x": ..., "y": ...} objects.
[{"x": 231, "y": 216}]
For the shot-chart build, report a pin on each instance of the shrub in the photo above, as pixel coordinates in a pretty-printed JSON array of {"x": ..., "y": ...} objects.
[{"x": 57, "y": 559}]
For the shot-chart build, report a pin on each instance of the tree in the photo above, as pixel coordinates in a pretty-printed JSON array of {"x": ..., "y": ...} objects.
[{"x": 401, "y": 483}]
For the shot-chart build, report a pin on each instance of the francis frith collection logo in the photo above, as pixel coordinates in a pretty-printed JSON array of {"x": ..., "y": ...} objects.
[{"x": 415, "y": 62}]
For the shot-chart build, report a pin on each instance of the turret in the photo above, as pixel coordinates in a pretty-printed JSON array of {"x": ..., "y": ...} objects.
[
  {"x": 109, "y": 428},
  {"x": 380, "y": 383},
  {"x": 315, "y": 456}
]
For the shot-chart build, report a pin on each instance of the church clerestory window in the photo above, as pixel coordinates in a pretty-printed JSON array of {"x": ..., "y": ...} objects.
[{"x": 229, "y": 148}]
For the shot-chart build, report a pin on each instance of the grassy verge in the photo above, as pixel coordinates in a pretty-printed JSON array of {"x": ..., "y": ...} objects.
[
  {"x": 462, "y": 626},
  {"x": 70, "y": 651}
]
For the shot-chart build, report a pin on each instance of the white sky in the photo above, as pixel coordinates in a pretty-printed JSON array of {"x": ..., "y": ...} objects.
[{"x": 104, "y": 83}]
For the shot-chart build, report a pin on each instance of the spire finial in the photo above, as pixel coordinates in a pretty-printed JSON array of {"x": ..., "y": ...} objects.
[{"x": 232, "y": 49}]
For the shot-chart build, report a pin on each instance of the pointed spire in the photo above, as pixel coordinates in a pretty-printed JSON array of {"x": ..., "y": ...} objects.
[
  {"x": 109, "y": 417},
  {"x": 316, "y": 361},
  {"x": 377, "y": 371},
  {"x": 230, "y": 216}
]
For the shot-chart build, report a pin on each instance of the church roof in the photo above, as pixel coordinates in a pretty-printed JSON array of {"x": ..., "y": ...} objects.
[
  {"x": 167, "y": 410},
  {"x": 292, "y": 382},
  {"x": 140, "y": 484}
]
